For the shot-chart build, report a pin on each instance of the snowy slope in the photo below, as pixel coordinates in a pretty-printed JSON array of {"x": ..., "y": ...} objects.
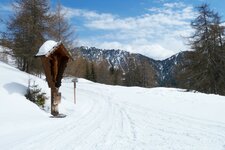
[
  {"x": 5, "y": 56},
  {"x": 109, "y": 117}
]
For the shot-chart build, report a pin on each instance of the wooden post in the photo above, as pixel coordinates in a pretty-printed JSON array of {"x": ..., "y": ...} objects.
[
  {"x": 55, "y": 100},
  {"x": 74, "y": 92},
  {"x": 74, "y": 81}
]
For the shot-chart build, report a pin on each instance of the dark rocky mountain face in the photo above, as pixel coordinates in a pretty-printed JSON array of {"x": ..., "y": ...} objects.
[
  {"x": 163, "y": 72},
  {"x": 168, "y": 69}
]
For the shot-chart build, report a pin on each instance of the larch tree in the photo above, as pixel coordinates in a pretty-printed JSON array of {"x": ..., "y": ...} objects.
[
  {"x": 133, "y": 75},
  {"x": 102, "y": 73},
  {"x": 204, "y": 69},
  {"x": 93, "y": 76},
  {"x": 147, "y": 74},
  {"x": 27, "y": 30},
  {"x": 60, "y": 29}
]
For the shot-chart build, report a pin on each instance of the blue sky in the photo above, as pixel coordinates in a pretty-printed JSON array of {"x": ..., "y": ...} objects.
[{"x": 155, "y": 28}]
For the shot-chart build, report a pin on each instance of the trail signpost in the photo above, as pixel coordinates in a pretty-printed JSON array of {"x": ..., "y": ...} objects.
[
  {"x": 75, "y": 80},
  {"x": 54, "y": 57}
]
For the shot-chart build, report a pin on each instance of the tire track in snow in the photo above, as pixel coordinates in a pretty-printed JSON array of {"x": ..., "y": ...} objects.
[
  {"x": 110, "y": 136},
  {"x": 59, "y": 129},
  {"x": 169, "y": 127},
  {"x": 97, "y": 128}
]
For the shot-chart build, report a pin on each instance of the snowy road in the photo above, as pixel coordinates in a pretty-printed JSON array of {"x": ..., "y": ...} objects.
[{"x": 113, "y": 118}]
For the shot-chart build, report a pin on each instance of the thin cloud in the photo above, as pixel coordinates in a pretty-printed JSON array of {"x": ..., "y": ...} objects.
[
  {"x": 87, "y": 14},
  {"x": 161, "y": 30},
  {"x": 6, "y": 7},
  {"x": 174, "y": 5},
  {"x": 106, "y": 21}
]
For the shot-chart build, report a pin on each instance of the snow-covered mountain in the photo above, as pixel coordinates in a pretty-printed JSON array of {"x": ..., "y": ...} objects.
[
  {"x": 165, "y": 69},
  {"x": 109, "y": 117},
  {"x": 115, "y": 58}
]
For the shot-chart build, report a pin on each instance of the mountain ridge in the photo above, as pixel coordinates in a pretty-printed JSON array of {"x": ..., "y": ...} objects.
[{"x": 164, "y": 69}]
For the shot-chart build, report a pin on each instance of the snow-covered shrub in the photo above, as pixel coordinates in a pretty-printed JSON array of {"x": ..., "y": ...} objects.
[{"x": 35, "y": 94}]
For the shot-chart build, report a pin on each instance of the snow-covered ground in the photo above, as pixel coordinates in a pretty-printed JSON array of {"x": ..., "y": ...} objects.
[{"x": 109, "y": 117}]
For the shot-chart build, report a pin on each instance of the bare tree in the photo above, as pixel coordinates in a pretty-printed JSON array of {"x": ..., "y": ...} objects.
[{"x": 60, "y": 29}]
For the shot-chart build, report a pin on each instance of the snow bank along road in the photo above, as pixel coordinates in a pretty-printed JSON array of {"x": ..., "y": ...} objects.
[{"x": 109, "y": 117}]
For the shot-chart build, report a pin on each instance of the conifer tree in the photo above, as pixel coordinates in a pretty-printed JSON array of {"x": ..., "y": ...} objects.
[
  {"x": 87, "y": 72},
  {"x": 27, "y": 30},
  {"x": 93, "y": 73},
  {"x": 204, "y": 69}
]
